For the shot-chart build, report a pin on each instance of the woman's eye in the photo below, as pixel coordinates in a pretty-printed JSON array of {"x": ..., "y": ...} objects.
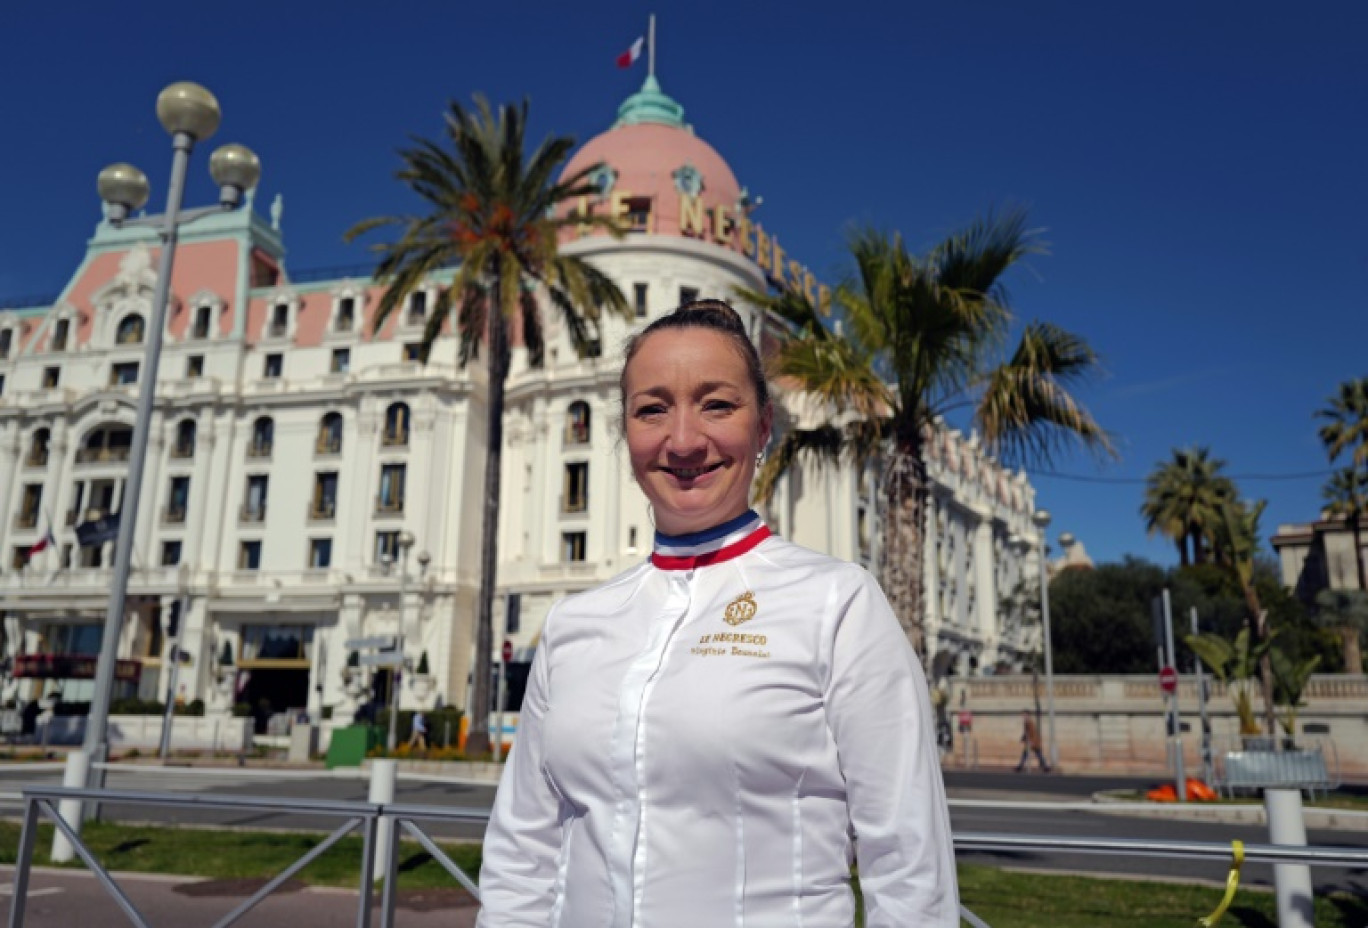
[
  {"x": 718, "y": 406},
  {"x": 653, "y": 409}
]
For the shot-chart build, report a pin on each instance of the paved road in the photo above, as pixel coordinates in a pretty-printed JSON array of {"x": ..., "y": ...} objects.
[{"x": 1040, "y": 820}]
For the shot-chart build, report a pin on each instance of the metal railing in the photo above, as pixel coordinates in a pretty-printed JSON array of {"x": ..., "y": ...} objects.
[{"x": 402, "y": 817}]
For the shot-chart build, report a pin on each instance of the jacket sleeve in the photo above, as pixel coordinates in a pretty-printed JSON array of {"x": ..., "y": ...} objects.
[
  {"x": 518, "y": 876},
  {"x": 878, "y": 707}
]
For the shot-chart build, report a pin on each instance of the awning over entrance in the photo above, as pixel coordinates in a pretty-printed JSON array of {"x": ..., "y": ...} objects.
[{"x": 71, "y": 667}]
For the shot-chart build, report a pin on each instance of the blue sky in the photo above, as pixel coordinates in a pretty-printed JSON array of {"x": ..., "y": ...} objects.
[{"x": 1198, "y": 169}]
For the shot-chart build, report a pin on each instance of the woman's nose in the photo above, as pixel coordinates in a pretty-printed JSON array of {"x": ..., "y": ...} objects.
[{"x": 686, "y": 436}]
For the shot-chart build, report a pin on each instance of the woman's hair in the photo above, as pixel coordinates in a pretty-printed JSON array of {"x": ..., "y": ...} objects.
[{"x": 716, "y": 316}]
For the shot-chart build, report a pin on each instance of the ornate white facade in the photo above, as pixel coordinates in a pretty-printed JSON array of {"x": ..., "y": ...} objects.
[{"x": 291, "y": 445}]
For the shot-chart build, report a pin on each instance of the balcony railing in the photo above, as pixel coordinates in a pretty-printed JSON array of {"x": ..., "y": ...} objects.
[
  {"x": 101, "y": 455},
  {"x": 328, "y": 444},
  {"x": 173, "y": 515},
  {"x": 26, "y": 520},
  {"x": 322, "y": 510},
  {"x": 251, "y": 513},
  {"x": 391, "y": 438},
  {"x": 389, "y": 506},
  {"x": 182, "y": 450},
  {"x": 38, "y": 457},
  {"x": 260, "y": 448}
]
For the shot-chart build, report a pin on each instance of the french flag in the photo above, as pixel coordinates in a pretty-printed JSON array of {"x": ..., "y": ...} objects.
[{"x": 629, "y": 57}]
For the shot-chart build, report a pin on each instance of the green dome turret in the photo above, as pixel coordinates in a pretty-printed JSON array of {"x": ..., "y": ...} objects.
[{"x": 650, "y": 104}]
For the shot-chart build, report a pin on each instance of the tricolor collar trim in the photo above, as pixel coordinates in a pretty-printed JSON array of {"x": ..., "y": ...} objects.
[{"x": 711, "y": 546}]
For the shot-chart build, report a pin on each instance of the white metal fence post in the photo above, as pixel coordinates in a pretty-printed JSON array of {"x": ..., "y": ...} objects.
[
  {"x": 1291, "y": 881},
  {"x": 382, "y": 792},
  {"x": 74, "y": 777}
]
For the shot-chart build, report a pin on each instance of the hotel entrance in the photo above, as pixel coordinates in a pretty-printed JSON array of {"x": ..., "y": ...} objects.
[{"x": 275, "y": 659}]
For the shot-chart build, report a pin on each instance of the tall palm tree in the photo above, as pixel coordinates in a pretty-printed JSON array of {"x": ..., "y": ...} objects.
[
  {"x": 1346, "y": 422},
  {"x": 492, "y": 217},
  {"x": 1346, "y": 497},
  {"x": 1182, "y": 500},
  {"x": 923, "y": 335},
  {"x": 1235, "y": 539}
]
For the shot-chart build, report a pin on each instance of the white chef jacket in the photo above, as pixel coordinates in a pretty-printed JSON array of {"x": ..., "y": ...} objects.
[{"x": 707, "y": 745}]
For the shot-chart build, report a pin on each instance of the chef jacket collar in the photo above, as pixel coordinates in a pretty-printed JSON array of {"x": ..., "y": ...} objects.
[{"x": 710, "y": 546}]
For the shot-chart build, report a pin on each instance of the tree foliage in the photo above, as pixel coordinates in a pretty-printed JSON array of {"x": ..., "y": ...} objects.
[{"x": 1183, "y": 499}]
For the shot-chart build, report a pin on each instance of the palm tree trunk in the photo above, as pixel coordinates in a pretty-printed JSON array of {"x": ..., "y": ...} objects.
[
  {"x": 1183, "y": 551},
  {"x": 1265, "y": 664},
  {"x": 477, "y": 738},
  {"x": 904, "y": 549}
]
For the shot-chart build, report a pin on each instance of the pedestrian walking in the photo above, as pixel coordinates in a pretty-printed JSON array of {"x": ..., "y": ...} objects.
[
  {"x": 419, "y": 737},
  {"x": 1030, "y": 742}
]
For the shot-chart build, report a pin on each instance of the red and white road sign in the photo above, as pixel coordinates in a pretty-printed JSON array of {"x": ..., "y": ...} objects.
[
  {"x": 507, "y": 652},
  {"x": 1168, "y": 680}
]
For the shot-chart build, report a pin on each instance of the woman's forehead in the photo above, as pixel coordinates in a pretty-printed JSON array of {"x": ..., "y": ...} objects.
[{"x": 692, "y": 353}]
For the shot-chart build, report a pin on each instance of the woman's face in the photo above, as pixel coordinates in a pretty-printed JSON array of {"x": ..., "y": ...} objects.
[{"x": 694, "y": 427}]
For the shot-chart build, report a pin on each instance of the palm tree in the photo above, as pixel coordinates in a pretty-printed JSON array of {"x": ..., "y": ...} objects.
[
  {"x": 923, "y": 336},
  {"x": 1346, "y": 422},
  {"x": 1182, "y": 497},
  {"x": 1346, "y": 497},
  {"x": 1235, "y": 540},
  {"x": 492, "y": 217}
]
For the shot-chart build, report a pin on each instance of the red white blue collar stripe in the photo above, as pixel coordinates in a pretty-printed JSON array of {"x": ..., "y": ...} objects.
[{"x": 710, "y": 546}]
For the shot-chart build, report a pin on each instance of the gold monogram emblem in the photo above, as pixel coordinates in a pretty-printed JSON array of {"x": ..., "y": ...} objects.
[{"x": 741, "y": 609}]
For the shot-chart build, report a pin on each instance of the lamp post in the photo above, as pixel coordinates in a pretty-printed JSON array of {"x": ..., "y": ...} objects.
[
  {"x": 1041, "y": 519},
  {"x": 396, "y": 691},
  {"x": 190, "y": 114}
]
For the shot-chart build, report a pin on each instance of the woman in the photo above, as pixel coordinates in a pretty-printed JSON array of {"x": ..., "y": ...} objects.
[{"x": 703, "y": 736}]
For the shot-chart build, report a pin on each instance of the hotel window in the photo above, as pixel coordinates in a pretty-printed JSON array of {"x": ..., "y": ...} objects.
[
  {"x": 92, "y": 556},
  {"x": 572, "y": 546},
  {"x": 52, "y": 376},
  {"x": 19, "y": 560},
  {"x": 59, "y": 335},
  {"x": 273, "y": 366},
  {"x": 184, "y": 446},
  {"x": 170, "y": 553},
  {"x": 513, "y": 620},
  {"x": 177, "y": 500},
  {"x": 130, "y": 331},
  {"x": 417, "y": 308},
  {"x": 280, "y": 320},
  {"x": 687, "y": 295},
  {"x": 30, "y": 506},
  {"x": 324, "y": 503},
  {"x": 276, "y": 643},
  {"x": 577, "y": 423},
  {"x": 123, "y": 374},
  {"x": 38, "y": 449},
  {"x": 329, "y": 434},
  {"x": 413, "y": 351},
  {"x": 203, "y": 317},
  {"x": 320, "y": 553},
  {"x": 341, "y": 360},
  {"x": 194, "y": 366},
  {"x": 249, "y": 555},
  {"x": 6, "y": 342},
  {"x": 575, "y": 496},
  {"x": 391, "y": 497},
  {"x": 346, "y": 314},
  {"x": 638, "y": 214},
  {"x": 386, "y": 547},
  {"x": 263, "y": 438},
  {"x": 396, "y": 425},
  {"x": 254, "y": 505},
  {"x": 2, "y": 384},
  {"x": 639, "y": 299}
]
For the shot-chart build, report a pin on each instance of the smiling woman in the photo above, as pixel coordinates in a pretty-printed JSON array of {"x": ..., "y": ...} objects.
[{"x": 674, "y": 768}]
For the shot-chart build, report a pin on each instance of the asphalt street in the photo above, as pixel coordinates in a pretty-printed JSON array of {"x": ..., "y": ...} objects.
[{"x": 1024, "y": 809}]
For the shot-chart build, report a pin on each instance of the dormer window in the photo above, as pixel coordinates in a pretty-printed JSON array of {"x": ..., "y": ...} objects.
[
  {"x": 346, "y": 314},
  {"x": 203, "y": 317},
  {"x": 280, "y": 321},
  {"x": 59, "y": 335},
  {"x": 6, "y": 342},
  {"x": 417, "y": 308},
  {"x": 130, "y": 331}
]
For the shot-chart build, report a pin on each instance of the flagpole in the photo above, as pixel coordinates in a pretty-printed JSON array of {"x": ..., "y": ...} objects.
[{"x": 650, "y": 46}]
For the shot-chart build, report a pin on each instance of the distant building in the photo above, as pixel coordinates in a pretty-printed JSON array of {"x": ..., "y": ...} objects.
[
  {"x": 1317, "y": 556},
  {"x": 291, "y": 445}
]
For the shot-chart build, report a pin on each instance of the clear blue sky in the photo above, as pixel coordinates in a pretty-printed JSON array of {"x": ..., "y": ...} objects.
[{"x": 1198, "y": 168}]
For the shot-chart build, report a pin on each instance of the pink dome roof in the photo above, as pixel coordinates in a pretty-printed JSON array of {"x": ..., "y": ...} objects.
[{"x": 656, "y": 155}]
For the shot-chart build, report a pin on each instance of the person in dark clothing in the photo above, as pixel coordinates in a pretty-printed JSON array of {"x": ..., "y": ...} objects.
[{"x": 1030, "y": 742}]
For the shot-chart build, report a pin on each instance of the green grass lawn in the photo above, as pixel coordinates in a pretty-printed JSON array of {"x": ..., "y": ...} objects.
[{"x": 1004, "y": 899}]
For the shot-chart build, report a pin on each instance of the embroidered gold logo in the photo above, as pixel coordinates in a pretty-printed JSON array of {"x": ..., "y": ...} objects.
[{"x": 741, "y": 609}]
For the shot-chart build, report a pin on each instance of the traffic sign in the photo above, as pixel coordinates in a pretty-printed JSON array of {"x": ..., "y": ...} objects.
[
  {"x": 507, "y": 651},
  {"x": 1168, "y": 679},
  {"x": 377, "y": 643},
  {"x": 381, "y": 659}
]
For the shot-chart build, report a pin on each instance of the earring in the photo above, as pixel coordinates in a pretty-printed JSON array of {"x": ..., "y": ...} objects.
[{"x": 760, "y": 460}]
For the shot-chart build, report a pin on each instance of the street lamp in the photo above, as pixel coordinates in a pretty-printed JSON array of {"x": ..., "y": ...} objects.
[
  {"x": 396, "y": 692},
  {"x": 1041, "y": 519},
  {"x": 190, "y": 114}
]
